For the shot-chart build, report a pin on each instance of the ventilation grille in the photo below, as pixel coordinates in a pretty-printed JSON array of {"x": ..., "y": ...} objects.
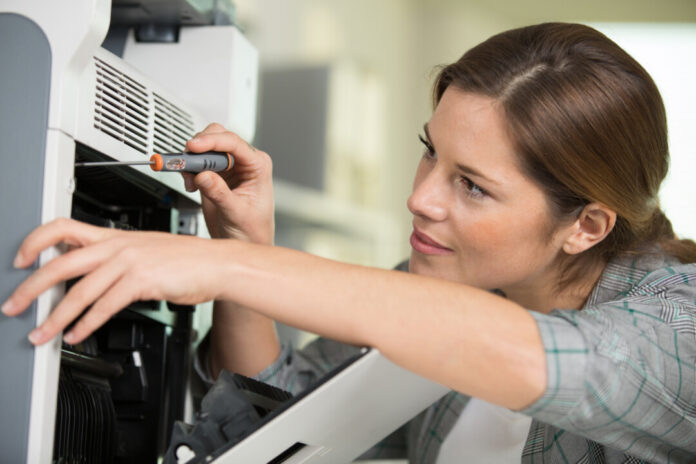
[
  {"x": 120, "y": 107},
  {"x": 123, "y": 109},
  {"x": 173, "y": 126}
]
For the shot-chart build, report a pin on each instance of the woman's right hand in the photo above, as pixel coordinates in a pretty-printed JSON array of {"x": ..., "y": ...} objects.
[{"x": 238, "y": 203}]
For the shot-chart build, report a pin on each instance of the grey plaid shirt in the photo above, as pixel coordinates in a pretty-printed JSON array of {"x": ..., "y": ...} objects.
[{"x": 621, "y": 375}]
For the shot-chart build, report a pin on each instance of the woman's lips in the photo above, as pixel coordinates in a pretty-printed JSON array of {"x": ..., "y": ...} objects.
[{"x": 424, "y": 244}]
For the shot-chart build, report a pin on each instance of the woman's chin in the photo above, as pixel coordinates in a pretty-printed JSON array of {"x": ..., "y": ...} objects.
[{"x": 420, "y": 266}]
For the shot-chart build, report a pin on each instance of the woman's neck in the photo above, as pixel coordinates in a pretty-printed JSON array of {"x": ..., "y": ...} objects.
[{"x": 545, "y": 296}]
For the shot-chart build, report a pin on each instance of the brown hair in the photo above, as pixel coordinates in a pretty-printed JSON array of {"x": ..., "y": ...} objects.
[{"x": 588, "y": 124}]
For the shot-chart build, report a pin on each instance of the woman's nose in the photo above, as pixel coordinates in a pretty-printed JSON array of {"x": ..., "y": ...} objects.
[{"x": 428, "y": 199}]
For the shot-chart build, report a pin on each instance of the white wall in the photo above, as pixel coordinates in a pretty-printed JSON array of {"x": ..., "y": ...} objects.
[{"x": 380, "y": 39}]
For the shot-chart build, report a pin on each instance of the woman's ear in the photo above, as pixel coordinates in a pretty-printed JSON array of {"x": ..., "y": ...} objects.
[{"x": 595, "y": 222}]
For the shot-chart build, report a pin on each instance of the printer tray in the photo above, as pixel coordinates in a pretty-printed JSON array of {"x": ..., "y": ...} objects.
[{"x": 337, "y": 420}]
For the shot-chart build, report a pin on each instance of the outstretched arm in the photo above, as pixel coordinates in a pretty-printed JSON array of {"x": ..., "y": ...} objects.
[{"x": 466, "y": 338}]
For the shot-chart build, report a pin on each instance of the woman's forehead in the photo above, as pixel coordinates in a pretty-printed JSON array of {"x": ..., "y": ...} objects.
[{"x": 470, "y": 129}]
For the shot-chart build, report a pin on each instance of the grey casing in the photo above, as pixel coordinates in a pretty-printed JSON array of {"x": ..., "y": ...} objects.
[{"x": 25, "y": 55}]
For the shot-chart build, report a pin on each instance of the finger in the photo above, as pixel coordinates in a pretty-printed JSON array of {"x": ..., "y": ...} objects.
[
  {"x": 214, "y": 187},
  {"x": 72, "y": 264},
  {"x": 214, "y": 127},
  {"x": 188, "y": 181},
  {"x": 79, "y": 297},
  {"x": 61, "y": 230},
  {"x": 117, "y": 297},
  {"x": 211, "y": 128}
]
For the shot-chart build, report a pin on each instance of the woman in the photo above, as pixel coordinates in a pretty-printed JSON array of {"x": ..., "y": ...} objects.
[{"x": 543, "y": 159}]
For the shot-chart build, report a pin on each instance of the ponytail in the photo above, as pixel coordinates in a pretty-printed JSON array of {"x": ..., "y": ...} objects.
[{"x": 661, "y": 231}]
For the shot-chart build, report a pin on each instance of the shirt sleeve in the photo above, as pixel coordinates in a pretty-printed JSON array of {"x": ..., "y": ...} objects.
[
  {"x": 621, "y": 376},
  {"x": 293, "y": 370}
]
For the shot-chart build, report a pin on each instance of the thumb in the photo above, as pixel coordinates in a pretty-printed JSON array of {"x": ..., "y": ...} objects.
[{"x": 212, "y": 186}]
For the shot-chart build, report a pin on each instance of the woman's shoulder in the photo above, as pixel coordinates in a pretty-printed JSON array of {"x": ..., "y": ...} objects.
[
  {"x": 646, "y": 289},
  {"x": 648, "y": 273}
]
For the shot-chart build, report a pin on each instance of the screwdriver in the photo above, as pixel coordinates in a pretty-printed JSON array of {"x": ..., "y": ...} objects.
[{"x": 180, "y": 162}]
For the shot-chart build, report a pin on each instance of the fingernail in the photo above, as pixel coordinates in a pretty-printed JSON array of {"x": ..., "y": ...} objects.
[
  {"x": 205, "y": 181},
  {"x": 7, "y": 307},
  {"x": 18, "y": 261},
  {"x": 69, "y": 338},
  {"x": 35, "y": 336},
  {"x": 196, "y": 139}
]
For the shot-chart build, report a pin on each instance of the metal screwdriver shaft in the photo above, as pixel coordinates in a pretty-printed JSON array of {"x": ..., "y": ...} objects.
[
  {"x": 112, "y": 163},
  {"x": 181, "y": 162}
]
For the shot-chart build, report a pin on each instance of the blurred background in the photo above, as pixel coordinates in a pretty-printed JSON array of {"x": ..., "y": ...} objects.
[{"x": 346, "y": 87}]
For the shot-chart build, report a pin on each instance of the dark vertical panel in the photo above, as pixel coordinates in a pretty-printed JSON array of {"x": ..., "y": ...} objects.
[
  {"x": 293, "y": 110},
  {"x": 25, "y": 67}
]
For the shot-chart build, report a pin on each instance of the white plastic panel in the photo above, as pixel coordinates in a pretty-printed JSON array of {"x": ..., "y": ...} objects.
[{"x": 128, "y": 117}]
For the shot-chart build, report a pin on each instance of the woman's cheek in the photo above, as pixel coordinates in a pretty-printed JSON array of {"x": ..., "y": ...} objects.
[{"x": 486, "y": 236}]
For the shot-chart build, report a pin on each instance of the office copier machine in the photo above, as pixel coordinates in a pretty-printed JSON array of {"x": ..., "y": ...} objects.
[
  {"x": 116, "y": 396},
  {"x": 64, "y": 98}
]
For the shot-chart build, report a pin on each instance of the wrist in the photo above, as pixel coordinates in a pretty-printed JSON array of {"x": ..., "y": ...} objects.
[{"x": 258, "y": 235}]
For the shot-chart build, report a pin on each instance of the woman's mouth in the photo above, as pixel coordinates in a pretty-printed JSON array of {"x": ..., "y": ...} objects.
[{"x": 426, "y": 245}]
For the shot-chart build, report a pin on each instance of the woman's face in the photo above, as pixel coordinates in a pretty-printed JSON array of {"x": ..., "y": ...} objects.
[{"x": 476, "y": 218}]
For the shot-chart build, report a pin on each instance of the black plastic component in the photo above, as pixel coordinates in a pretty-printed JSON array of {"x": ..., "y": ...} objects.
[
  {"x": 85, "y": 418},
  {"x": 160, "y": 20},
  {"x": 169, "y": 12},
  {"x": 264, "y": 397},
  {"x": 125, "y": 337},
  {"x": 157, "y": 33},
  {"x": 148, "y": 397},
  {"x": 90, "y": 364},
  {"x": 132, "y": 386},
  {"x": 115, "y": 40},
  {"x": 287, "y": 454},
  {"x": 230, "y": 411},
  {"x": 119, "y": 196}
]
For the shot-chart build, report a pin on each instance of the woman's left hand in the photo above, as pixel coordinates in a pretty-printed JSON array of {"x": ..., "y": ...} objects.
[{"x": 119, "y": 268}]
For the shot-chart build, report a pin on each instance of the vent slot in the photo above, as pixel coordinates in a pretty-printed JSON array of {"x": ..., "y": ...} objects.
[
  {"x": 133, "y": 114},
  {"x": 121, "y": 107},
  {"x": 173, "y": 126}
]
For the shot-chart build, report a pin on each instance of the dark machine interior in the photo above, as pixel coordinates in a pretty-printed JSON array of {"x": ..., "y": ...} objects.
[{"x": 121, "y": 390}]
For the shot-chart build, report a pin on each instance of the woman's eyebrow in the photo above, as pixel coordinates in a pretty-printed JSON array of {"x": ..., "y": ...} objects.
[
  {"x": 427, "y": 136},
  {"x": 461, "y": 167}
]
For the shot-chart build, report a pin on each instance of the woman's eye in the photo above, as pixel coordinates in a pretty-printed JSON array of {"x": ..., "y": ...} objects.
[
  {"x": 429, "y": 150},
  {"x": 472, "y": 189}
]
